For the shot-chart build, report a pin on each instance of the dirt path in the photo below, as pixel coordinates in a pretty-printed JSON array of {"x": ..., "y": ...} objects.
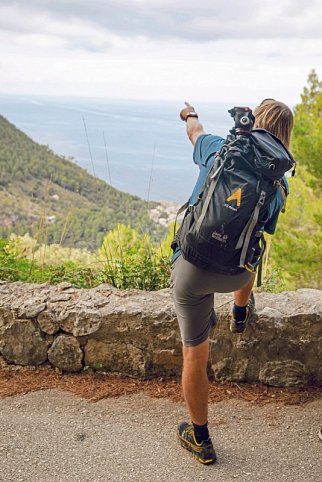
[{"x": 53, "y": 435}]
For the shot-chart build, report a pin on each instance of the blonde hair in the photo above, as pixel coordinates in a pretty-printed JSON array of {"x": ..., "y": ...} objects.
[{"x": 276, "y": 118}]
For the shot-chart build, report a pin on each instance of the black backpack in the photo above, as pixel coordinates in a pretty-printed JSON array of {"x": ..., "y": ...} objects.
[{"x": 222, "y": 231}]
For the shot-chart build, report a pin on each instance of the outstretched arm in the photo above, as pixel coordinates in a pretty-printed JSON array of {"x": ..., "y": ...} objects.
[{"x": 194, "y": 127}]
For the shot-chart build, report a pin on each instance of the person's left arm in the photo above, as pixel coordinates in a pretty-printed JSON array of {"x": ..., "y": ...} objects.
[{"x": 275, "y": 208}]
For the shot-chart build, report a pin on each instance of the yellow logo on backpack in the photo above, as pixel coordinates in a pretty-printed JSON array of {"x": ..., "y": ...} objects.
[{"x": 236, "y": 196}]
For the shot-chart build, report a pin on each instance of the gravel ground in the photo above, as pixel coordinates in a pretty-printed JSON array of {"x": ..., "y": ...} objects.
[{"x": 52, "y": 435}]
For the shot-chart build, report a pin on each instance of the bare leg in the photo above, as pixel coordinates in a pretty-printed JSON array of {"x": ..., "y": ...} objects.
[
  {"x": 195, "y": 381},
  {"x": 242, "y": 295}
]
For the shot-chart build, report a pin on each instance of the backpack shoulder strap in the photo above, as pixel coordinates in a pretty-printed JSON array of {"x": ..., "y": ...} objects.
[
  {"x": 283, "y": 191},
  {"x": 182, "y": 208},
  {"x": 214, "y": 179}
]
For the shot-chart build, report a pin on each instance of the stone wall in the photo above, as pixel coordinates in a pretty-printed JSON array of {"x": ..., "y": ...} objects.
[{"x": 135, "y": 333}]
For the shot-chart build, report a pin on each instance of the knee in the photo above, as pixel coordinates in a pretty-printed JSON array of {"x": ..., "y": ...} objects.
[{"x": 196, "y": 355}]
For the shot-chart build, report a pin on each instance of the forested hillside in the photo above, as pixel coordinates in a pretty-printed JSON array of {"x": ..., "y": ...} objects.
[{"x": 55, "y": 200}]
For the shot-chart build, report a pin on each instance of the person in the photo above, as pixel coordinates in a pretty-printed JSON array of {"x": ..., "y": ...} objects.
[{"x": 193, "y": 288}]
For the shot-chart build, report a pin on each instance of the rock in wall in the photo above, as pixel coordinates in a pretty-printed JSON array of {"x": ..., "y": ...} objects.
[{"x": 135, "y": 333}]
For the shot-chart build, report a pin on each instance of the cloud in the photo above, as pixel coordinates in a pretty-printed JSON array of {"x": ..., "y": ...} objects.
[
  {"x": 26, "y": 27},
  {"x": 160, "y": 48},
  {"x": 184, "y": 19}
]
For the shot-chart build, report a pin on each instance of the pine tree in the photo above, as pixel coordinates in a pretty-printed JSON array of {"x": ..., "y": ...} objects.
[{"x": 307, "y": 133}]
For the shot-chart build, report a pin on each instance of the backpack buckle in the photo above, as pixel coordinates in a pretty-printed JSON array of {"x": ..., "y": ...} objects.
[
  {"x": 250, "y": 268},
  {"x": 262, "y": 197}
]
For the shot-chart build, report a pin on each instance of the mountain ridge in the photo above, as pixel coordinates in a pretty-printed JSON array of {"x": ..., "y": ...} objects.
[{"x": 51, "y": 197}]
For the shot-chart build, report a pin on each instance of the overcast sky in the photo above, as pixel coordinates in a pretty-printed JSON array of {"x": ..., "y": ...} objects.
[{"x": 210, "y": 50}]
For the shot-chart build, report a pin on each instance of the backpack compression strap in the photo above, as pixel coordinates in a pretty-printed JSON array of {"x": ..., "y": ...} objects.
[
  {"x": 245, "y": 236},
  {"x": 260, "y": 263}
]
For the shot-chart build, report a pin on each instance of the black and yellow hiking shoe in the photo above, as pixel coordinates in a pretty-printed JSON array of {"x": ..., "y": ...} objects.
[
  {"x": 239, "y": 326},
  {"x": 203, "y": 452}
]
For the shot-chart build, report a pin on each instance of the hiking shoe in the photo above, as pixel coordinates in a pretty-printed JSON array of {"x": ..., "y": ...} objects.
[
  {"x": 203, "y": 452},
  {"x": 240, "y": 326}
]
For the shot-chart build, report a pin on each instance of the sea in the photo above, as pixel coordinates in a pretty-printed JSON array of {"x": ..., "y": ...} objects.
[{"x": 138, "y": 147}]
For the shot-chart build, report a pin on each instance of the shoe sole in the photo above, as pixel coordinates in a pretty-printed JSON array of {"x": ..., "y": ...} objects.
[{"x": 187, "y": 445}]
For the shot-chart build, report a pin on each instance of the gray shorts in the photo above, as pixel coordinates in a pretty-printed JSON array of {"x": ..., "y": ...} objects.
[{"x": 193, "y": 293}]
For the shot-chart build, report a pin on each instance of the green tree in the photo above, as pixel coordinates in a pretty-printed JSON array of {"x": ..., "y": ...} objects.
[
  {"x": 296, "y": 255},
  {"x": 307, "y": 133}
]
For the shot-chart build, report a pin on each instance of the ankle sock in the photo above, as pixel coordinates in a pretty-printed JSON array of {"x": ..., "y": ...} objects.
[
  {"x": 201, "y": 432},
  {"x": 239, "y": 312}
]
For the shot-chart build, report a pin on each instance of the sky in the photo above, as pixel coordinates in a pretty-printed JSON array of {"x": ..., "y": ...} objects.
[{"x": 209, "y": 51}]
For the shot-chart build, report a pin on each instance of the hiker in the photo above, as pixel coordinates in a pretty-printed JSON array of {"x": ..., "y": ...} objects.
[{"x": 193, "y": 287}]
